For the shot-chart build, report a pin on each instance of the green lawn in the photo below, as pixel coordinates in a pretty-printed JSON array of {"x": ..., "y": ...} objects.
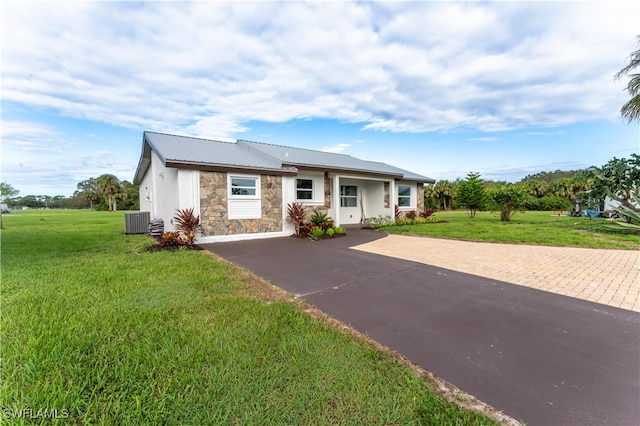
[
  {"x": 106, "y": 333},
  {"x": 542, "y": 228}
]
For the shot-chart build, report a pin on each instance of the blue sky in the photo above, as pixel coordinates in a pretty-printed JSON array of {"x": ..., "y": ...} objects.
[{"x": 439, "y": 88}]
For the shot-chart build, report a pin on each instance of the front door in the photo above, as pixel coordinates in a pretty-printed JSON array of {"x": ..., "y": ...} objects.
[{"x": 349, "y": 204}]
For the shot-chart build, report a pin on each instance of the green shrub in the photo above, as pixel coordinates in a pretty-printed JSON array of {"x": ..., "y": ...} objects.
[
  {"x": 377, "y": 222},
  {"x": 330, "y": 232},
  {"x": 339, "y": 230},
  {"x": 507, "y": 199},
  {"x": 316, "y": 232},
  {"x": 547, "y": 204},
  {"x": 322, "y": 220}
]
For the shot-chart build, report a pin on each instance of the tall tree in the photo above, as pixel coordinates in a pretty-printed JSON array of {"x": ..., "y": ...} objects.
[
  {"x": 130, "y": 197},
  {"x": 444, "y": 191},
  {"x": 470, "y": 194},
  {"x": 110, "y": 188},
  {"x": 89, "y": 190},
  {"x": 619, "y": 179},
  {"x": 6, "y": 191},
  {"x": 631, "y": 110}
]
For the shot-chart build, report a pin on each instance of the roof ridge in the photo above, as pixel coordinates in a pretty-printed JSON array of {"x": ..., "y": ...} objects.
[
  {"x": 188, "y": 137},
  {"x": 295, "y": 147}
]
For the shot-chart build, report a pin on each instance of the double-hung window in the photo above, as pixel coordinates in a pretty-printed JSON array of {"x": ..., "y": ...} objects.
[
  {"x": 404, "y": 196},
  {"x": 348, "y": 196},
  {"x": 304, "y": 189}
]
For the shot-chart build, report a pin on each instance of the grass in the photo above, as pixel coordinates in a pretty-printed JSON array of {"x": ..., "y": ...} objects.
[
  {"x": 106, "y": 333},
  {"x": 540, "y": 228}
]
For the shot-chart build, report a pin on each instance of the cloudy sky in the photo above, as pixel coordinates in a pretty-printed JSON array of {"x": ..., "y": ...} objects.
[{"x": 439, "y": 88}]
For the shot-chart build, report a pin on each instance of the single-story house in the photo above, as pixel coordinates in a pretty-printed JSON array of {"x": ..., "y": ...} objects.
[{"x": 241, "y": 189}]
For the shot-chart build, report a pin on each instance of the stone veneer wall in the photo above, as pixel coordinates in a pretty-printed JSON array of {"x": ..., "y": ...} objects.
[
  {"x": 420, "y": 197},
  {"x": 214, "y": 206},
  {"x": 387, "y": 196}
]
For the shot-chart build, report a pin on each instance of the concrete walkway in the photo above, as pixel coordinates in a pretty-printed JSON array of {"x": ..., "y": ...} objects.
[{"x": 609, "y": 277}]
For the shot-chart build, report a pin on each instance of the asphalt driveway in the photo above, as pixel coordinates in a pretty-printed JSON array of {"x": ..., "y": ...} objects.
[{"x": 540, "y": 357}]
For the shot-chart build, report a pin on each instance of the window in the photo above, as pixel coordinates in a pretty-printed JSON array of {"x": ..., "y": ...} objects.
[
  {"x": 304, "y": 189},
  {"x": 243, "y": 199},
  {"x": 348, "y": 196},
  {"x": 242, "y": 186},
  {"x": 404, "y": 196}
]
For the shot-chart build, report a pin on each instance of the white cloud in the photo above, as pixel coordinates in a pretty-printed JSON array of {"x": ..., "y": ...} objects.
[
  {"x": 44, "y": 160},
  {"x": 28, "y": 137},
  {"x": 336, "y": 148},
  {"x": 211, "y": 67}
]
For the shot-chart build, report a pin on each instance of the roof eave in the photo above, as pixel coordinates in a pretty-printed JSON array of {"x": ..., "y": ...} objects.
[
  {"x": 145, "y": 160},
  {"x": 208, "y": 167}
]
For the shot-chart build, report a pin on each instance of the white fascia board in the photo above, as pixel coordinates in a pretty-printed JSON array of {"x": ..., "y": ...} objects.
[{"x": 361, "y": 177}]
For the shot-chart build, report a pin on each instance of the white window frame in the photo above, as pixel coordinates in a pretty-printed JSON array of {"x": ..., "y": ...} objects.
[
  {"x": 345, "y": 197},
  {"x": 410, "y": 196},
  {"x": 255, "y": 178},
  {"x": 317, "y": 188},
  {"x": 305, "y": 190}
]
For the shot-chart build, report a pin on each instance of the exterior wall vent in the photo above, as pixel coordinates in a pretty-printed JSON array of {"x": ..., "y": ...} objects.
[{"x": 136, "y": 222}]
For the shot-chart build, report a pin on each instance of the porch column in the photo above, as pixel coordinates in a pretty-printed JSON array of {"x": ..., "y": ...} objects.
[
  {"x": 335, "y": 199},
  {"x": 393, "y": 198}
]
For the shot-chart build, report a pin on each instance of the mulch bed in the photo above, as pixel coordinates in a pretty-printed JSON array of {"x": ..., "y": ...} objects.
[
  {"x": 324, "y": 237},
  {"x": 157, "y": 247}
]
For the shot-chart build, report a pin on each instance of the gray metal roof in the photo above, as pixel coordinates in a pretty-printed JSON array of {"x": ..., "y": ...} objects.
[
  {"x": 184, "y": 150},
  {"x": 307, "y": 157}
]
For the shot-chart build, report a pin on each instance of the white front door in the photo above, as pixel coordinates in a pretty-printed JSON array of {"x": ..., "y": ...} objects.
[{"x": 350, "y": 209}]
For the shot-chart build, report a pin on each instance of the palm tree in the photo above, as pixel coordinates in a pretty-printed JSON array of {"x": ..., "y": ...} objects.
[
  {"x": 560, "y": 188},
  {"x": 444, "y": 190},
  {"x": 110, "y": 188},
  {"x": 631, "y": 110},
  {"x": 536, "y": 188}
]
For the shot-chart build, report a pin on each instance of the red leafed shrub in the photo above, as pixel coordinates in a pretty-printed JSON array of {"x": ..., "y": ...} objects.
[
  {"x": 295, "y": 215},
  {"x": 172, "y": 239},
  {"x": 426, "y": 213},
  {"x": 411, "y": 215},
  {"x": 188, "y": 223}
]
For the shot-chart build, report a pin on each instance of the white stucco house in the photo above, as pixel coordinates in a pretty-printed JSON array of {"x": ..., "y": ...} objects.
[{"x": 241, "y": 189}]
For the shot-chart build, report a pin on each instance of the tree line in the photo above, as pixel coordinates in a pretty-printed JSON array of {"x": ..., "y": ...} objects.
[
  {"x": 106, "y": 192},
  {"x": 617, "y": 180}
]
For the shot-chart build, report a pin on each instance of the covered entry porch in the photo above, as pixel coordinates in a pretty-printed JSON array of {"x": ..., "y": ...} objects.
[{"x": 355, "y": 198}]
